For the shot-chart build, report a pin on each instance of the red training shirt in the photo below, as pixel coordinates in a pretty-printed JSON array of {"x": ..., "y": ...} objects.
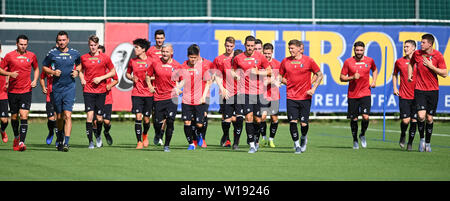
[
  {"x": 427, "y": 79},
  {"x": 361, "y": 87},
  {"x": 22, "y": 63}
]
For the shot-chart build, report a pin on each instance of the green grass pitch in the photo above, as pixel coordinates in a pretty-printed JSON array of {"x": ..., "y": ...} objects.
[{"x": 329, "y": 156}]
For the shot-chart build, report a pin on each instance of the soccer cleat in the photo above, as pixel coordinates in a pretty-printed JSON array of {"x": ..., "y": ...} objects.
[
  {"x": 252, "y": 150},
  {"x": 4, "y": 137},
  {"x": 427, "y": 147},
  {"x": 49, "y": 139},
  {"x": 91, "y": 145},
  {"x": 303, "y": 142},
  {"x": 409, "y": 147},
  {"x": 16, "y": 144},
  {"x": 21, "y": 147},
  {"x": 402, "y": 142},
  {"x": 422, "y": 145},
  {"x": 298, "y": 150},
  {"x": 223, "y": 140},
  {"x": 109, "y": 139},
  {"x": 155, "y": 141},
  {"x": 271, "y": 144},
  {"x": 204, "y": 144},
  {"x": 145, "y": 139},
  {"x": 200, "y": 141},
  {"x": 65, "y": 148},
  {"x": 166, "y": 149},
  {"x": 257, "y": 146},
  {"x": 60, "y": 146},
  {"x": 264, "y": 142},
  {"x": 99, "y": 141},
  {"x": 355, "y": 145},
  {"x": 227, "y": 144},
  {"x": 195, "y": 142},
  {"x": 191, "y": 147},
  {"x": 235, "y": 147},
  {"x": 363, "y": 141},
  {"x": 140, "y": 145},
  {"x": 160, "y": 142}
]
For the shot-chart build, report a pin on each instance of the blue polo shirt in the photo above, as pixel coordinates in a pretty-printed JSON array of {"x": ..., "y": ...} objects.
[{"x": 65, "y": 62}]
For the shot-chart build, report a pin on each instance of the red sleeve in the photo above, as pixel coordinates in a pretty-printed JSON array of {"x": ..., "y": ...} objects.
[
  {"x": 264, "y": 62},
  {"x": 150, "y": 70},
  {"x": 374, "y": 67},
  {"x": 396, "y": 67},
  {"x": 314, "y": 67},
  {"x": 43, "y": 75},
  {"x": 4, "y": 62},
  {"x": 413, "y": 61},
  {"x": 282, "y": 67},
  {"x": 234, "y": 62},
  {"x": 344, "y": 70},
  {"x": 115, "y": 77},
  {"x": 109, "y": 64},
  {"x": 130, "y": 67},
  {"x": 35, "y": 62},
  {"x": 441, "y": 62}
]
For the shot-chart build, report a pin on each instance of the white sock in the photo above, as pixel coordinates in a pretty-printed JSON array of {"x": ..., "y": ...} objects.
[
  {"x": 252, "y": 144},
  {"x": 297, "y": 143},
  {"x": 271, "y": 138}
]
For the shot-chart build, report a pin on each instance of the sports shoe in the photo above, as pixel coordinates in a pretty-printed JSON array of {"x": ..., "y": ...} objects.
[
  {"x": 200, "y": 141},
  {"x": 140, "y": 145},
  {"x": 99, "y": 141},
  {"x": 204, "y": 144},
  {"x": 422, "y": 145},
  {"x": 427, "y": 147},
  {"x": 256, "y": 146},
  {"x": 402, "y": 142},
  {"x": 166, "y": 149},
  {"x": 145, "y": 139},
  {"x": 303, "y": 142},
  {"x": 264, "y": 142},
  {"x": 191, "y": 147},
  {"x": 252, "y": 150},
  {"x": 65, "y": 148},
  {"x": 195, "y": 142},
  {"x": 91, "y": 145},
  {"x": 49, "y": 139},
  {"x": 298, "y": 150},
  {"x": 16, "y": 144},
  {"x": 271, "y": 144},
  {"x": 355, "y": 145},
  {"x": 363, "y": 141},
  {"x": 160, "y": 142},
  {"x": 109, "y": 139},
  {"x": 227, "y": 144},
  {"x": 409, "y": 147},
  {"x": 235, "y": 147},
  {"x": 21, "y": 147},
  {"x": 155, "y": 141},
  {"x": 4, "y": 137}
]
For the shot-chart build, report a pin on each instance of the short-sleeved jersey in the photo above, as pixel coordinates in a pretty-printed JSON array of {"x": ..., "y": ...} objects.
[
  {"x": 3, "y": 89},
  {"x": 138, "y": 68},
  {"x": 165, "y": 79},
  {"x": 360, "y": 87},
  {"x": 49, "y": 84},
  {"x": 95, "y": 66},
  {"x": 109, "y": 98},
  {"x": 66, "y": 62},
  {"x": 223, "y": 66},
  {"x": 273, "y": 93},
  {"x": 243, "y": 64},
  {"x": 406, "y": 90},
  {"x": 154, "y": 53},
  {"x": 298, "y": 75},
  {"x": 23, "y": 63},
  {"x": 195, "y": 79},
  {"x": 427, "y": 80}
]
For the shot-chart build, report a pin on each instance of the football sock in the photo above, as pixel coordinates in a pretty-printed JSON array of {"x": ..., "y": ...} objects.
[
  {"x": 187, "y": 133},
  {"x": 257, "y": 131},
  {"x": 169, "y": 132},
  {"x": 354, "y": 128},
  {"x": 107, "y": 127},
  {"x": 15, "y": 127},
  {"x": 403, "y": 128},
  {"x": 239, "y": 124},
  {"x": 364, "y": 125},
  {"x": 138, "y": 130},
  {"x": 429, "y": 131},
  {"x": 146, "y": 127},
  {"x": 23, "y": 129},
  {"x": 66, "y": 140},
  {"x": 421, "y": 128},
  {"x": 304, "y": 129},
  {"x": 51, "y": 124},
  {"x": 294, "y": 131},
  {"x": 263, "y": 128},
  {"x": 250, "y": 128},
  {"x": 273, "y": 129},
  {"x": 4, "y": 125},
  {"x": 412, "y": 132},
  {"x": 99, "y": 128},
  {"x": 89, "y": 131},
  {"x": 226, "y": 129}
]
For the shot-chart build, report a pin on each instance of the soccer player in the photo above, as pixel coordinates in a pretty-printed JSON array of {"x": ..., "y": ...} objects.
[
  {"x": 407, "y": 105},
  {"x": 18, "y": 65},
  {"x": 356, "y": 70},
  {"x": 3, "y": 103},
  {"x": 49, "y": 106},
  {"x": 297, "y": 70},
  {"x": 64, "y": 64},
  {"x": 155, "y": 51},
  {"x": 141, "y": 97},
  {"x": 165, "y": 92},
  {"x": 429, "y": 63},
  {"x": 96, "y": 67},
  {"x": 259, "y": 45},
  {"x": 196, "y": 80},
  {"x": 272, "y": 95},
  {"x": 248, "y": 65}
]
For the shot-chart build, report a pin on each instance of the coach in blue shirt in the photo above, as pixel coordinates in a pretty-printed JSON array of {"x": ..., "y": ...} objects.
[{"x": 64, "y": 64}]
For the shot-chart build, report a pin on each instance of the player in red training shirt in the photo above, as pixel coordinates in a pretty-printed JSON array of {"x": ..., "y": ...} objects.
[
  {"x": 3, "y": 103},
  {"x": 248, "y": 65},
  {"x": 166, "y": 93},
  {"x": 356, "y": 70},
  {"x": 296, "y": 70},
  {"x": 18, "y": 64},
  {"x": 96, "y": 68},
  {"x": 141, "y": 97},
  {"x": 407, "y": 105},
  {"x": 429, "y": 63},
  {"x": 196, "y": 81}
]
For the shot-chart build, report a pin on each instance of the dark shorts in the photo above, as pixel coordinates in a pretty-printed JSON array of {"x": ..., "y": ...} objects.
[
  {"x": 358, "y": 106},
  {"x": 251, "y": 103},
  {"x": 142, "y": 105},
  {"x": 165, "y": 109},
  {"x": 50, "y": 109},
  {"x": 229, "y": 107},
  {"x": 4, "y": 108},
  {"x": 94, "y": 102},
  {"x": 194, "y": 111},
  {"x": 272, "y": 108},
  {"x": 298, "y": 109},
  {"x": 426, "y": 100},
  {"x": 63, "y": 100},
  {"x": 107, "y": 112},
  {"x": 19, "y": 101},
  {"x": 407, "y": 108}
]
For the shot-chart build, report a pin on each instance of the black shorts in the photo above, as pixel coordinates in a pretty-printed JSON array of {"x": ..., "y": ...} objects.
[
  {"x": 250, "y": 103},
  {"x": 165, "y": 109},
  {"x": 94, "y": 102},
  {"x": 298, "y": 109},
  {"x": 272, "y": 108},
  {"x": 407, "y": 108},
  {"x": 194, "y": 111},
  {"x": 19, "y": 101},
  {"x": 107, "y": 112},
  {"x": 229, "y": 107},
  {"x": 358, "y": 106},
  {"x": 50, "y": 109},
  {"x": 142, "y": 105},
  {"x": 4, "y": 108},
  {"x": 426, "y": 100}
]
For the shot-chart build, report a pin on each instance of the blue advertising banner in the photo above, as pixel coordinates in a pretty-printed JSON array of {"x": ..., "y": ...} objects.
[{"x": 328, "y": 45}]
